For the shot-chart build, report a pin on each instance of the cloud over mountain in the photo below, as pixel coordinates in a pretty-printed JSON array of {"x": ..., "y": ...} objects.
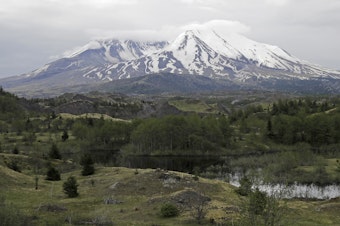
[{"x": 33, "y": 31}]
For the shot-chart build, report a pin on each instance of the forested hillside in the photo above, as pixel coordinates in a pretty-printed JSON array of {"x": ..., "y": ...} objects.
[
  {"x": 283, "y": 140},
  {"x": 186, "y": 127}
]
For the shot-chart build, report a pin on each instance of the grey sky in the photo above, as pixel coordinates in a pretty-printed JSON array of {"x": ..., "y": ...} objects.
[{"x": 35, "y": 32}]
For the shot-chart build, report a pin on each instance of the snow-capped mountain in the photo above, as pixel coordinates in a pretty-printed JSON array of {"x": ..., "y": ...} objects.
[
  {"x": 98, "y": 54},
  {"x": 195, "y": 52},
  {"x": 207, "y": 53}
]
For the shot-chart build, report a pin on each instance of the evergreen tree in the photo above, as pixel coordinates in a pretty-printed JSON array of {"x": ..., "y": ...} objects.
[
  {"x": 54, "y": 152},
  {"x": 70, "y": 187},
  {"x": 87, "y": 163}
]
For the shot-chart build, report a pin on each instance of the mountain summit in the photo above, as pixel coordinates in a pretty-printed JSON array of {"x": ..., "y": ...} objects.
[
  {"x": 231, "y": 57},
  {"x": 204, "y": 52}
]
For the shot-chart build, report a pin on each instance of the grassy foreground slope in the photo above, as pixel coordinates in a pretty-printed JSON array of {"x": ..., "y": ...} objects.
[{"x": 122, "y": 196}]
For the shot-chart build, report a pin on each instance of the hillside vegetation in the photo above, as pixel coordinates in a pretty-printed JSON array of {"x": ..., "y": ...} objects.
[
  {"x": 90, "y": 137},
  {"x": 121, "y": 196}
]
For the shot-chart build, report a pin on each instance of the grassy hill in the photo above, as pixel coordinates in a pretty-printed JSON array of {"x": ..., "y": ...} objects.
[{"x": 122, "y": 196}]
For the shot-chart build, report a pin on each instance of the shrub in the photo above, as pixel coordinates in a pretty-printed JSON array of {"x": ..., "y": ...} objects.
[
  {"x": 15, "y": 150},
  {"x": 53, "y": 174},
  {"x": 71, "y": 187},
  {"x": 245, "y": 186},
  {"x": 14, "y": 166},
  {"x": 64, "y": 137},
  {"x": 257, "y": 202},
  {"x": 169, "y": 210}
]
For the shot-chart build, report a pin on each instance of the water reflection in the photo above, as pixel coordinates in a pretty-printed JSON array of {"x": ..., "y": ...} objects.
[{"x": 296, "y": 190}]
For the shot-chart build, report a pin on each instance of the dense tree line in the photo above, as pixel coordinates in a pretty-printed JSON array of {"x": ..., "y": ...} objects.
[
  {"x": 296, "y": 106},
  {"x": 291, "y": 121},
  {"x": 307, "y": 121},
  {"x": 318, "y": 129},
  {"x": 192, "y": 133},
  {"x": 165, "y": 135},
  {"x": 102, "y": 132}
]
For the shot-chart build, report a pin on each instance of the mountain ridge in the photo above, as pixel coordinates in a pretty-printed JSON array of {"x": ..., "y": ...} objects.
[{"x": 194, "y": 52}]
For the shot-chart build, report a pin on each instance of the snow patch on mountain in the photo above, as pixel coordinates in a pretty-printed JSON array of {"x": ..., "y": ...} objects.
[
  {"x": 203, "y": 52},
  {"x": 38, "y": 71}
]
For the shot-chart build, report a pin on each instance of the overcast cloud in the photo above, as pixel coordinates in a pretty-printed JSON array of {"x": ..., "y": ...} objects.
[{"x": 35, "y": 32}]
